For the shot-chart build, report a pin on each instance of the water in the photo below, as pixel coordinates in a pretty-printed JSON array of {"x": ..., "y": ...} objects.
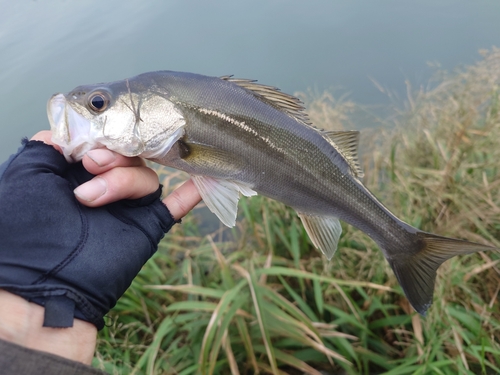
[{"x": 53, "y": 45}]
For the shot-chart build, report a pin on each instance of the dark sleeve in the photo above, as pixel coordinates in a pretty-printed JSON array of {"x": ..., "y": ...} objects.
[{"x": 16, "y": 360}]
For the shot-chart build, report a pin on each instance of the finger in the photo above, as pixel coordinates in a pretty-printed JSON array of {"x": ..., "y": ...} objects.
[
  {"x": 116, "y": 184},
  {"x": 182, "y": 200},
  {"x": 102, "y": 160},
  {"x": 46, "y": 137}
]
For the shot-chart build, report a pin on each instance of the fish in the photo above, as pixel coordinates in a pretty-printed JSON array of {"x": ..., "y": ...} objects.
[{"x": 239, "y": 137}]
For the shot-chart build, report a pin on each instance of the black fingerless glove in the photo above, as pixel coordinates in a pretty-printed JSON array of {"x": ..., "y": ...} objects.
[{"x": 74, "y": 260}]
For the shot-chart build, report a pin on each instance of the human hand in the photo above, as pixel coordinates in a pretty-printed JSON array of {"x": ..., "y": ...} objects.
[
  {"x": 77, "y": 256},
  {"x": 125, "y": 178},
  {"x": 37, "y": 203}
]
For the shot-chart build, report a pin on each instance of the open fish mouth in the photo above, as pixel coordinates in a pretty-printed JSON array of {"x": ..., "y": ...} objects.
[{"x": 70, "y": 130}]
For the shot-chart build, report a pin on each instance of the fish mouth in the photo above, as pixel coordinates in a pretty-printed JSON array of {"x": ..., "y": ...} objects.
[{"x": 70, "y": 130}]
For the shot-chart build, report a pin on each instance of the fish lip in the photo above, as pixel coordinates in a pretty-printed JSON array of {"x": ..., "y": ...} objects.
[
  {"x": 70, "y": 130},
  {"x": 56, "y": 112}
]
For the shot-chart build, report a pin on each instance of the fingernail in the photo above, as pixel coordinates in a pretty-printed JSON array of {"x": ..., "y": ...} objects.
[
  {"x": 101, "y": 156},
  {"x": 91, "y": 190}
]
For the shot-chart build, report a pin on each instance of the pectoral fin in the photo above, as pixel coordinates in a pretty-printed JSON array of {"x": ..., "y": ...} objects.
[
  {"x": 221, "y": 196},
  {"x": 324, "y": 232},
  {"x": 208, "y": 159}
]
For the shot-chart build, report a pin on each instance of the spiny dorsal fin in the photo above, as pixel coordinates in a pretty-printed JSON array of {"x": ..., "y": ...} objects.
[
  {"x": 346, "y": 142},
  {"x": 289, "y": 104}
]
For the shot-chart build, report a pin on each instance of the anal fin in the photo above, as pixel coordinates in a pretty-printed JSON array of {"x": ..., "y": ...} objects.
[{"x": 324, "y": 232}]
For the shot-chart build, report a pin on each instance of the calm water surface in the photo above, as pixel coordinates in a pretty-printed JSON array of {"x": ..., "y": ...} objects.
[{"x": 53, "y": 45}]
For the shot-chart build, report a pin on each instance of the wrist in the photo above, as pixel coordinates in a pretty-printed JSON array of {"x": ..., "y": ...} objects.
[{"x": 21, "y": 322}]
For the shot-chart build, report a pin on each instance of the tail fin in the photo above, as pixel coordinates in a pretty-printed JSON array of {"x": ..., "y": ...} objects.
[{"x": 417, "y": 272}]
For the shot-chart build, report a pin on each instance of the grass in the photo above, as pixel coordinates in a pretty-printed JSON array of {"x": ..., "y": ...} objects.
[{"x": 259, "y": 299}]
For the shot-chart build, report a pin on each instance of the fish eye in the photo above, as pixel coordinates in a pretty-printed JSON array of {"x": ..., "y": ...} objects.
[{"x": 98, "y": 102}]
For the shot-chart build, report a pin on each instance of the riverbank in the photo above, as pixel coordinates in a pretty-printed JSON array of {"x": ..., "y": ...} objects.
[{"x": 266, "y": 301}]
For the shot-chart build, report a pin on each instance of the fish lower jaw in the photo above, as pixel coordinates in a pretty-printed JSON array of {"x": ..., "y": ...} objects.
[{"x": 76, "y": 153}]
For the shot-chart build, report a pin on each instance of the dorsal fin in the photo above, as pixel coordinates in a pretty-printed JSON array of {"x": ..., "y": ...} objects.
[
  {"x": 346, "y": 142},
  {"x": 289, "y": 104}
]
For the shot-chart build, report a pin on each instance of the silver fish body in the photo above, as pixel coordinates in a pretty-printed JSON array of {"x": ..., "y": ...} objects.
[{"x": 238, "y": 137}]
